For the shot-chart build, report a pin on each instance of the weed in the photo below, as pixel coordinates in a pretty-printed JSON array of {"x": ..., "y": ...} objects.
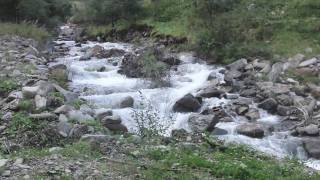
[{"x": 25, "y": 105}]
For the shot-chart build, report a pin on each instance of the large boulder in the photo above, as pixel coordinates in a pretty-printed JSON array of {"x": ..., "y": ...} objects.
[
  {"x": 59, "y": 72},
  {"x": 238, "y": 65},
  {"x": 310, "y": 130},
  {"x": 127, "y": 102},
  {"x": 210, "y": 92},
  {"x": 253, "y": 114},
  {"x": 269, "y": 105},
  {"x": 275, "y": 72},
  {"x": 251, "y": 130},
  {"x": 187, "y": 104},
  {"x": 113, "y": 123},
  {"x": 312, "y": 146},
  {"x": 200, "y": 123}
]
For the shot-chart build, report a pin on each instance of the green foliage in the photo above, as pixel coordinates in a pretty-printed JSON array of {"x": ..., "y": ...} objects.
[
  {"x": 7, "y": 85},
  {"x": 235, "y": 162},
  {"x": 80, "y": 150},
  {"x": 77, "y": 103},
  {"x": 48, "y": 12},
  {"x": 20, "y": 124},
  {"x": 307, "y": 78},
  {"x": 26, "y": 30},
  {"x": 25, "y": 105},
  {"x": 152, "y": 68}
]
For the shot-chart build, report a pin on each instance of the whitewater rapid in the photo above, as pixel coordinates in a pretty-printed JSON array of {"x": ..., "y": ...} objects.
[{"x": 105, "y": 90}]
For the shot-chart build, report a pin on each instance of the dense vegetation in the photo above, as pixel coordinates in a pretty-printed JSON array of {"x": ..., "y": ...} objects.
[{"x": 222, "y": 29}]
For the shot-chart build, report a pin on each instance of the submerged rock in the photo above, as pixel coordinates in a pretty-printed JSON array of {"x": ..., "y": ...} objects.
[
  {"x": 187, "y": 104},
  {"x": 127, "y": 102},
  {"x": 269, "y": 105},
  {"x": 312, "y": 146}
]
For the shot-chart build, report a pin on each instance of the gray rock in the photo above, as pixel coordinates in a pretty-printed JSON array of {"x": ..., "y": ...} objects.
[
  {"x": 64, "y": 109},
  {"x": 294, "y": 61},
  {"x": 202, "y": 123},
  {"x": 69, "y": 97},
  {"x": 242, "y": 109},
  {"x": 310, "y": 130},
  {"x": 284, "y": 100},
  {"x": 253, "y": 114},
  {"x": 64, "y": 128},
  {"x": 251, "y": 130},
  {"x": 3, "y": 163},
  {"x": 7, "y": 117},
  {"x": 30, "y": 92},
  {"x": 284, "y": 110},
  {"x": 78, "y": 131},
  {"x": 248, "y": 92},
  {"x": 40, "y": 102},
  {"x": 127, "y": 102},
  {"x": 238, "y": 65},
  {"x": 79, "y": 116},
  {"x": 101, "y": 115},
  {"x": 187, "y": 104},
  {"x": 308, "y": 62},
  {"x": 111, "y": 120},
  {"x": 269, "y": 105},
  {"x": 210, "y": 92},
  {"x": 312, "y": 146},
  {"x": 87, "y": 110},
  {"x": 63, "y": 118},
  {"x": 275, "y": 72},
  {"x": 44, "y": 88}
]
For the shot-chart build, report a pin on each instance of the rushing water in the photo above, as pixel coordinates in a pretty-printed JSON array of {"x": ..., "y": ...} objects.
[{"x": 105, "y": 90}]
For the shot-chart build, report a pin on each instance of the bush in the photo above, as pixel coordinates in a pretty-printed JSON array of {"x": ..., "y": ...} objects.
[
  {"x": 26, "y": 30},
  {"x": 149, "y": 122},
  {"x": 6, "y": 86}
]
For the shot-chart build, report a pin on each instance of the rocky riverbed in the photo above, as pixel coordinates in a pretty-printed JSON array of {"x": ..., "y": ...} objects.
[{"x": 76, "y": 85}]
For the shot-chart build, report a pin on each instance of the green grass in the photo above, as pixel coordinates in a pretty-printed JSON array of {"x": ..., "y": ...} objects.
[
  {"x": 26, "y": 30},
  {"x": 7, "y": 85}
]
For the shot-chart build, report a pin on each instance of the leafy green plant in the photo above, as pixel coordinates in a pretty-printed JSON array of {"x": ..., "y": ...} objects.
[
  {"x": 25, "y": 105},
  {"x": 7, "y": 85}
]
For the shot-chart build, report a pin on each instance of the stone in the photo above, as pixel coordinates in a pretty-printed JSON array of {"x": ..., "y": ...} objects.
[
  {"x": 79, "y": 116},
  {"x": 253, "y": 114},
  {"x": 251, "y": 130},
  {"x": 64, "y": 128},
  {"x": 231, "y": 96},
  {"x": 284, "y": 110},
  {"x": 315, "y": 90},
  {"x": 312, "y": 146},
  {"x": 63, "y": 118},
  {"x": 284, "y": 100},
  {"x": 64, "y": 109},
  {"x": 242, "y": 109},
  {"x": 238, "y": 65},
  {"x": 275, "y": 72},
  {"x": 3, "y": 163},
  {"x": 212, "y": 76},
  {"x": 219, "y": 132},
  {"x": 127, "y": 102},
  {"x": 180, "y": 134},
  {"x": 269, "y": 105},
  {"x": 40, "y": 102},
  {"x": 59, "y": 72},
  {"x": 248, "y": 92},
  {"x": 211, "y": 92},
  {"x": 44, "y": 116},
  {"x": 310, "y": 130},
  {"x": 69, "y": 97},
  {"x": 45, "y": 88},
  {"x": 78, "y": 131},
  {"x": 30, "y": 92},
  {"x": 188, "y": 103},
  {"x": 294, "y": 61},
  {"x": 7, "y": 117},
  {"x": 202, "y": 123},
  {"x": 111, "y": 120},
  {"x": 101, "y": 115},
  {"x": 84, "y": 108},
  {"x": 308, "y": 62}
]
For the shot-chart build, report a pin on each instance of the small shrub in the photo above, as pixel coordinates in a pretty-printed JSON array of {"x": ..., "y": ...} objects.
[
  {"x": 149, "y": 122},
  {"x": 25, "y": 105},
  {"x": 77, "y": 103},
  {"x": 6, "y": 86},
  {"x": 21, "y": 123}
]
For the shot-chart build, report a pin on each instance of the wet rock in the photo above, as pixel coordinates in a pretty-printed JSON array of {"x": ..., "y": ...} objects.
[
  {"x": 92, "y": 52},
  {"x": 312, "y": 146},
  {"x": 201, "y": 123},
  {"x": 310, "y": 130},
  {"x": 113, "y": 123},
  {"x": 284, "y": 110},
  {"x": 169, "y": 59},
  {"x": 251, "y": 130},
  {"x": 127, "y": 102},
  {"x": 219, "y": 132},
  {"x": 242, "y": 110},
  {"x": 275, "y": 72},
  {"x": 231, "y": 75},
  {"x": 59, "y": 72},
  {"x": 248, "y": 92},
  {"x": 101, "y": 115},
  {"x": 187, "y": 104},
  {"x": 110, "y": 53},
  {"x": 284, "y": 100},
  {"x": 269, "y": 105},
  {"x": 212, "y": 76},
  {"x": 253, "y": 114},
  {"x": 238, "y": 65},
  {"x": 69, "y": 97},
  {"x": 231, "y": 96},
  {"x": 180, "y": 134},
  {"x": 211, "y": 92}
]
